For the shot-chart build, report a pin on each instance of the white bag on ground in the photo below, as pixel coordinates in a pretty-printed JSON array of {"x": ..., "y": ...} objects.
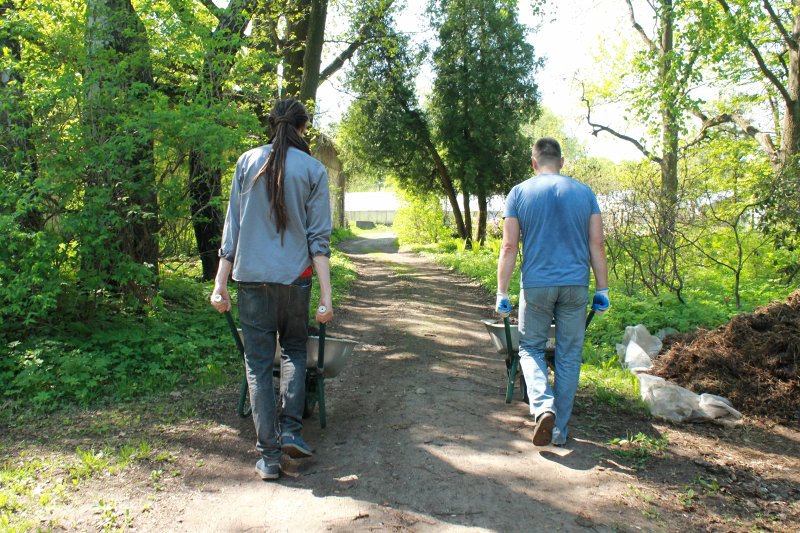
[
  {"x": 669, "y": 401},
  {"x": 718, "y": 407},
  {"x": 678, "y": 404},
  {"x": 639, "y": 334},
  {"x": 636, "y": 359}
]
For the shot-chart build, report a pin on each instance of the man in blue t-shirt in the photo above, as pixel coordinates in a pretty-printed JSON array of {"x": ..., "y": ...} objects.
[{"x": 562, "y": 235}]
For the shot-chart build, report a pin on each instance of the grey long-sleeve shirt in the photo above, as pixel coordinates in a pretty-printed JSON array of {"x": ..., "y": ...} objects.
[{"x": 250, "y": 239}]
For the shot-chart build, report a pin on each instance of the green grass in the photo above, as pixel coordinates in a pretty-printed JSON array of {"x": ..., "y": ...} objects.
[
  {"x": 177, "y": 342},
  {"x": 31, "y": 480},
  {"x": 638, "y": 449}
]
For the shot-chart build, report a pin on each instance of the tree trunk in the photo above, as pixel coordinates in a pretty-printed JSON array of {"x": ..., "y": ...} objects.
[
  {"x": 482, "y": 216},
  {"x": 467, "y": 218},
  {"x": 205, "y": 184},
  {"x": 312, "y": 58},
  {"x": 298, "y": 18},
  {"x": 17, "y": 150},
  {"x": 450, "y": 191},
  {"x": 205, "y": 177},
  {"x": 338, "y": 199},
  {"x": 790, "y": 131},
  {"x": 113, "y": 104},
  {"x": 669, "y": 121}
]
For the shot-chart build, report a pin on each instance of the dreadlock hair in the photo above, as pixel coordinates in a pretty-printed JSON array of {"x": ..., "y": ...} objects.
[{"x": 286, "y": 117}]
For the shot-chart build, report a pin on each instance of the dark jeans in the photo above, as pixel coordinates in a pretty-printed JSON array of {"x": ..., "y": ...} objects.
[{"x": 267, "y": 309}]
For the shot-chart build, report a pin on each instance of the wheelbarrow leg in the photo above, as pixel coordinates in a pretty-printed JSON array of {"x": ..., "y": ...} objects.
[{"x": 514, "y": 358}]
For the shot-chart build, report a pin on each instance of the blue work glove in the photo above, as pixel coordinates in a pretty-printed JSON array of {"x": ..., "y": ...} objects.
[
  {"x": 503, "y": 304},
  {"x": 600, "y": 302}
]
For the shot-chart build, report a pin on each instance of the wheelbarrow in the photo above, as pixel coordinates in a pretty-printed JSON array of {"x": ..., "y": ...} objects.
[
  {"x": 505, "y": 338},
  {"x": 326, "y": 358}
]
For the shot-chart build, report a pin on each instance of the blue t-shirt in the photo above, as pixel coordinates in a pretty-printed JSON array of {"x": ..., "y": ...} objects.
[{"x": 553, "y": 213}]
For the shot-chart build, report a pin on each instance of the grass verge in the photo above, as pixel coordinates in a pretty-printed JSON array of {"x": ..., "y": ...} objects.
[{"x": 122, "y": 364}]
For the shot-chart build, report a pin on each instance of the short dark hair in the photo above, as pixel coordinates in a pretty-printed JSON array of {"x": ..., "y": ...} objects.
[{"x": 547, "y": 151}]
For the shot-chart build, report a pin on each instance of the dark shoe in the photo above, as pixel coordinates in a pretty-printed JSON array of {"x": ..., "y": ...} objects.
[
  {"x": 268, "y": 470},
  {"x": 294, "y": 446},
  {"x": 543, "y": 432}
]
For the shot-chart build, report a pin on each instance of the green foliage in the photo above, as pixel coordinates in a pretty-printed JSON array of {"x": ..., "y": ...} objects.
[
  {"x": 420, "y": 219},
  {"x": 639, "y": 448},
  {"x": 177, "y": 341},
  {"x": 385, "y": 131}
]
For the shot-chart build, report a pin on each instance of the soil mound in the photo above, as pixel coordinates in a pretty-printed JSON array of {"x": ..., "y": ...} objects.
[{"x": 752, "y": 360}]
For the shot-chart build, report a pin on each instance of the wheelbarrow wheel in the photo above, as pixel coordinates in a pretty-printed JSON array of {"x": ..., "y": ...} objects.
[{"x": 311, "y": 395}]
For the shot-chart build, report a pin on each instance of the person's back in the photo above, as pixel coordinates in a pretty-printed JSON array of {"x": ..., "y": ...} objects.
[
  {"x": 262, "y": 252},
  {"x": 553, "y": 213}
]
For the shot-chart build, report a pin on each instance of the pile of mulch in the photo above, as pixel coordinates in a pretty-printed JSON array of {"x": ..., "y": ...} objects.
[{"x": 752, "y": 361}]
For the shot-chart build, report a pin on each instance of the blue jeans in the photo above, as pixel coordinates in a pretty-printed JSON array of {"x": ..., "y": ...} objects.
[
  {"x": 267, "y": 309},
  {"x": 537, "y": 307}
]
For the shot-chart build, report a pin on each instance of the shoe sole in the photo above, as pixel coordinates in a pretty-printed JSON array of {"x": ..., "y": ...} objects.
[
  {"x": 296, "y": 452},
  {"x": 266, "y": 477},
  {"x": 543, "y": 433}
]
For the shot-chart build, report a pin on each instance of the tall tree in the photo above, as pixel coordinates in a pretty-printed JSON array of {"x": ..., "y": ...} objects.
[
  {"x": 484, "y": 92},
  {"x": 657, "y": 85},
  {"x": 758, "y": 46},
  {"x": 385, "y": 128},
  {"x": 120, "y": 175},
  {"x": 205, "y": 168}
]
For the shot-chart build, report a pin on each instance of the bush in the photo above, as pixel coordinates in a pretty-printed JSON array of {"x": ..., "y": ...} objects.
[{"x": 420, "y": 220}]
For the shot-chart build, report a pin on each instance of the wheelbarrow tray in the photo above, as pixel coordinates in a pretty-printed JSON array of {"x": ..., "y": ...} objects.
[
  {"x": 337, "y": 351},
  {"x": 497, "y": 333}
]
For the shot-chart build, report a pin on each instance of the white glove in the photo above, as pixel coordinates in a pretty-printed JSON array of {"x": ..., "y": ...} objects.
[{"x": 503, "y": 304}]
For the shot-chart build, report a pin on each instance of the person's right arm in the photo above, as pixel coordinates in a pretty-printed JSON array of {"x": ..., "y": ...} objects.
[{"x": 230, "y": 239}]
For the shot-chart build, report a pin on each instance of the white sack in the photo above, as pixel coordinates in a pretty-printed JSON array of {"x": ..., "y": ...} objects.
[
  {"x": 718, "y": 407},
  {"x": 666, "y": 332},
  {"x": 669, "y": 401},
  {"x": 636, "y": 358},
  {"x": 640, "y": 335}
]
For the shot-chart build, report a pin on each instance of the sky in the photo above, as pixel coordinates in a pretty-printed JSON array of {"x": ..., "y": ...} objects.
[{"x": 568, "y": 37}]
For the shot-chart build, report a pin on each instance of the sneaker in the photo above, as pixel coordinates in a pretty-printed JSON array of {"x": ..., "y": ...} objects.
[
  {"x": 268, "y": 470},
  {"x": 543, "y": 432},
  {"x": 294, "y": 446}
]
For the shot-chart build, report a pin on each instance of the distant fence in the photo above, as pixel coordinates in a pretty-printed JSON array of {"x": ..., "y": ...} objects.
[
  {"x": 377, "y": 217},
  {"x": 376, "y": 207}
]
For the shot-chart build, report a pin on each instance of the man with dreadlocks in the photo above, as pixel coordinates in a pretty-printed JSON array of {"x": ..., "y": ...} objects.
[{"x": 278, "y": 224}]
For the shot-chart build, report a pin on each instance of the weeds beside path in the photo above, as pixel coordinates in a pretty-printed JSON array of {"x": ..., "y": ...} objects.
[{"x": 419, "y": 438}]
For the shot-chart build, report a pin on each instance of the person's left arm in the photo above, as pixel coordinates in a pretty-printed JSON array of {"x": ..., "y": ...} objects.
[{"x": 318, "y": 236}]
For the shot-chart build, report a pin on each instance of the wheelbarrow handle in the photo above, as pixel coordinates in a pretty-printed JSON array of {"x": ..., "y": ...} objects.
[
  {"x": 321, "y": 350},
  {"x": 234, "y": 332},
  {"x": 240, "y": 409},
  {"x": 589, "y": 318}
]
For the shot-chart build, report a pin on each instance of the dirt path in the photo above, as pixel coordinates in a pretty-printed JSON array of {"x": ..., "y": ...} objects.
[{"x": 419, "y": 438}]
